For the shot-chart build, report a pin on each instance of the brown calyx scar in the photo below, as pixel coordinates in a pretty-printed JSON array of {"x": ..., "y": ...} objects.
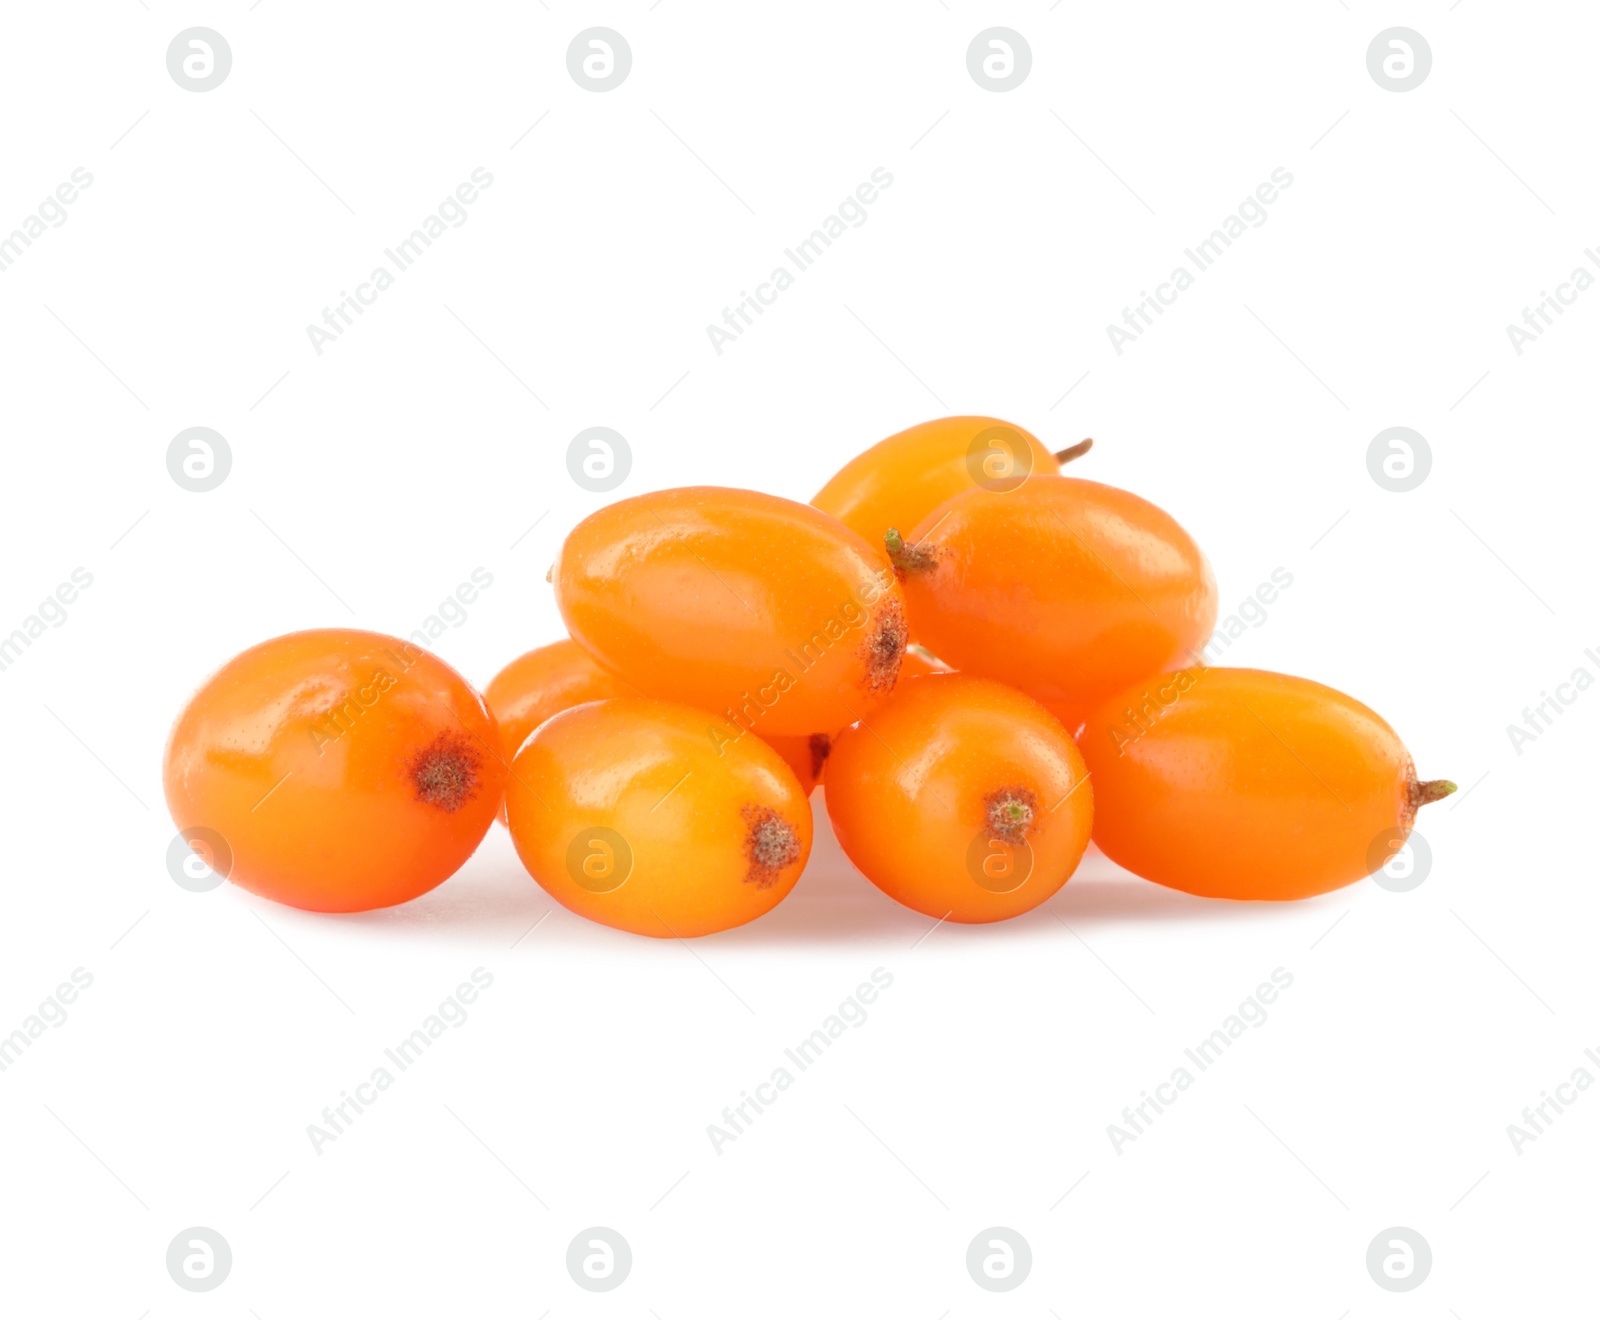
[
  {"x": 1009, "y": 814},
  {"x": 884, "y": 646},
  {"x": 770, "y": 843},
  {"x": 819, "y": 745},
  {"x": 445, "y": 772}
]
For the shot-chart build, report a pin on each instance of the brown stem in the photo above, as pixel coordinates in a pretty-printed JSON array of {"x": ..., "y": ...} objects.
[
  {"x": 1076, "y": 451},
  {"x": 907, "y": 558},
  {"x": 1431, "y": 790}
]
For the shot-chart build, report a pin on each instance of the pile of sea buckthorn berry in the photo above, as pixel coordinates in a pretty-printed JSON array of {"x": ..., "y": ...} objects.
[{"x": 983, "y": 663}]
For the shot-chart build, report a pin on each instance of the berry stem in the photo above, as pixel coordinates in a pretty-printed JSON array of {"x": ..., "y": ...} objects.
[
  {"x": 1431, "y": 790},
  {"x": 907, "y": 558},
  {"x": 1076, "y": 451}
]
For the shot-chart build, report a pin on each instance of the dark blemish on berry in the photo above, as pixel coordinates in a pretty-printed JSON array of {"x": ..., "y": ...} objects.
[
  {"x": 885, "y": 646},
  {"x": 820, "y": 745},
  {"x": 1009, "y": 814},
  {"x": 445, "y": 772},
  {"x": 770, "y": 843}
]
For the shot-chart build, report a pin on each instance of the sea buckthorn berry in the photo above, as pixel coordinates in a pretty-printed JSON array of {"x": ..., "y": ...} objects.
[
  {"x": 628, "y": 814},
  {"x": 542, "y": 682},
  {"x": 899, "y": 481},
  {"x": 805, "y": 755},
  {"x": 1238, "y": 783},
  {"x": 767, "y": 612},
  {"x": 344, "y": 770},
  {"x": 808, "y": 756},
  {"x": 1064, "y": 588},
  {"x": 961, "y": 798}
]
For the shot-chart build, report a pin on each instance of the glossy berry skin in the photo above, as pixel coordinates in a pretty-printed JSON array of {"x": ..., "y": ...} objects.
[
  {"x": 1239, "y": 783},
  {"x": 808, "y": 756},
  {"x": 757, "y": 608},
  {"x": 961, "y": 798},
  {"x": 627, "y": 813},
  {"x": 805, "y": 755},
  {"x": 344, "y": 770},
  {"x": 542, "y": 682},
  {"x": 1067, "y": 589},
  {"x": 899, "y": 481}
]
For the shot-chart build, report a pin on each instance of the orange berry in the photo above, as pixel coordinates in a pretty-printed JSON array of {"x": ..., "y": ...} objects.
[
  {"x": 335, "y": 770},
  {"x": 805, "y": 755},
  {"x": 1067, "y": 589},
  {"x": 763, "y": 610},
  {"x": 628, "y": 814},
  {"x": 961, "y": 798},
  {"x": 1238, "y": 783},
  {"x": 542, "y": 682},
  {"x": 901, "y": 480},
  {"x": 808, "y": 756}
]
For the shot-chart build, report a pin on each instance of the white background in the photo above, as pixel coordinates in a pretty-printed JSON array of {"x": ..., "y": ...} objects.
[{"x": 369, "y": 481}]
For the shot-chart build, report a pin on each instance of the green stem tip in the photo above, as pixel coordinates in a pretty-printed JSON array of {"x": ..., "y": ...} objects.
[
  {"x": 908, "y": 558},
  {"x": 1432, "y": 790},
  {"x": 1076, "y": 451}
]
